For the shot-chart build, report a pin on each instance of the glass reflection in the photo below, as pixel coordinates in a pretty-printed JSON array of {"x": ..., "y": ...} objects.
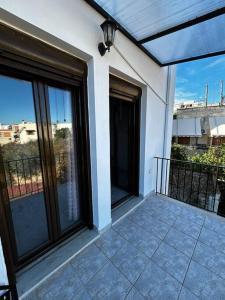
[
  {"x": 65, "y": 156},
  {"x": 19, "y": 152}
]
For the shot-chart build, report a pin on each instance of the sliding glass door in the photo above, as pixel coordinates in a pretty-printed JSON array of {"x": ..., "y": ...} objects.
[
  {"x": 63, "y": 131},
  {"x": 42, "y": 163},
  {"x": 21, "y": 165}
]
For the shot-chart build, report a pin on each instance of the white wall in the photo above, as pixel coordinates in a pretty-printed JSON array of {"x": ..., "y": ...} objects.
[{"x": 73, "y": 26}]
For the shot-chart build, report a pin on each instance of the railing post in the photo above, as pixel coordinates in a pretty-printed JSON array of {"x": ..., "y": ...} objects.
[
  {"x": 161, "y": 159},
  {"x": 221, "y": 207},
  {"x": 156, "y": 187}
]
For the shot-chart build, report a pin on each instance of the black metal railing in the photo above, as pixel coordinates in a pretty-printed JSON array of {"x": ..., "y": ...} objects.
[
  {"x": 201, "y": 185},
  {"x": 8, "y": 292},
  {"x": 24, "y": 176}
]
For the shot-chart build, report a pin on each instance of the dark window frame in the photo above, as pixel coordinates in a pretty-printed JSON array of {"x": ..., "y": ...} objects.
[
  {"x": 23, "y": 63},
  {"x": 126, "y": 91}
]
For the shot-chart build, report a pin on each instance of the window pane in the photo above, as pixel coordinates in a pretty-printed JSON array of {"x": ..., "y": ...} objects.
[
  {"x": 22, "y": 165},
  {"x": 65, "y": 156}
]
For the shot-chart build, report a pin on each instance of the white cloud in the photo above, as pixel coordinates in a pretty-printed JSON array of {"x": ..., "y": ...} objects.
[
  {"x": 190, "y": 71},
  {"x": 181, "y": 100},
  {"x": 182, "y": 95},
  {"x": 181, "y": 80},
  {"x": 215, "y": 63}
]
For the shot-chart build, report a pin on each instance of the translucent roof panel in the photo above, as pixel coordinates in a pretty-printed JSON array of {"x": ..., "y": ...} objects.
[
  {"x": 170, "y": 31},
  {"x": 202, "y": 39},
  {"x": 143, "y": 18}
]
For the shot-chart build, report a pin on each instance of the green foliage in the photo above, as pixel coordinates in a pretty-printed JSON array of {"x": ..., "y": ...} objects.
[
  {"x": 63, "y": 133},
  {"x": 179, "y": 152},
  {"x": 213, "y": 156},
  {"x": 13, "y": 151},
  {"x": 22, "y": 160}
]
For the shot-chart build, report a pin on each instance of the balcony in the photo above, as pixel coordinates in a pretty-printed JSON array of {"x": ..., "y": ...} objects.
[{"x": 162, "y": 249}]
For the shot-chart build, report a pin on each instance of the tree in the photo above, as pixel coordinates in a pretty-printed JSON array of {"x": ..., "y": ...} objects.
[
  {"x": 213, "y": 156},
  {"x": 63, "y": 133},
  {"x": 179, "y": 152}
]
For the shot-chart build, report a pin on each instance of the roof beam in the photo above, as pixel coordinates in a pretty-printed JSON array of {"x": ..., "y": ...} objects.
[
  {"x": 184, "y": 25},
  {"x": 193, "y": 58}
]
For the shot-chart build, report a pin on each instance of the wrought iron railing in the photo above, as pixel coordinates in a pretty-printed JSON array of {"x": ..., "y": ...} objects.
[
  {"x": 24, "y": 176},
  {"x": 201, "y": 185},
  {"x": 8, "y": 292}
]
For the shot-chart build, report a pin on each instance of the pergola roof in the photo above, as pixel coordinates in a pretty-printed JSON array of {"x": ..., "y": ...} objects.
[{"x": 170, "y": 31}]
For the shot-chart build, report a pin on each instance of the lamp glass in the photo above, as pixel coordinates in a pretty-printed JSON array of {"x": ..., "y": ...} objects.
[{"x": 109, "y": 29}]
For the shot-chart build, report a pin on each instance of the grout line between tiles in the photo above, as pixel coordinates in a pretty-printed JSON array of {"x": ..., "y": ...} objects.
[{"x": 190, "y": 262}]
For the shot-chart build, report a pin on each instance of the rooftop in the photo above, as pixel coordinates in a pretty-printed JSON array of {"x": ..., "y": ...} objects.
[{"x": 163, "y": 249}]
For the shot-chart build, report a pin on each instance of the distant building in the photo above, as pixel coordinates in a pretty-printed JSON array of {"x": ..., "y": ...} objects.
[
  {"x": 199, "y": 126},
  {"x": 25, "y": 132},
  {"x": 188, "y": 104},
  {"x": 6, "y": 136}
]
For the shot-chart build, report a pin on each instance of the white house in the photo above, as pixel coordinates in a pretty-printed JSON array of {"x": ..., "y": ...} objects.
[
  {"x": 27, "y": 132},
  {"x": 199, "y": 126},
  {"x": 121, "y": 106}
]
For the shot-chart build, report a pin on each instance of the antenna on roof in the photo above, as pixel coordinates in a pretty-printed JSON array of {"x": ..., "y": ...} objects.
[
  {"x": 206, "y": 94},
  {"x": 221, "y": 93}
]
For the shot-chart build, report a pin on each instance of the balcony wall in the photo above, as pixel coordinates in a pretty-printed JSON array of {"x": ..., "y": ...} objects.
[{"x": 73, "y": 26}]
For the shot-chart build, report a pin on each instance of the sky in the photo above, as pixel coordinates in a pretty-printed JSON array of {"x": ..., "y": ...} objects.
[
  {"x": 192, "y": 77},
  {"x": 16, "y": 96},
  {"x": 17, "y": 102}
]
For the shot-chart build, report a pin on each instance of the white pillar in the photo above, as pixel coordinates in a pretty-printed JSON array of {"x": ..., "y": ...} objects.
[
  {"x": 98, "y": 95},
  {"x": 156, "y": 131},
  {"x": 169, "y": 112}
]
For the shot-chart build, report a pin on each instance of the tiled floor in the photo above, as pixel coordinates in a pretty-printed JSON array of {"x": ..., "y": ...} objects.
[{"x": 164, "y": 249}]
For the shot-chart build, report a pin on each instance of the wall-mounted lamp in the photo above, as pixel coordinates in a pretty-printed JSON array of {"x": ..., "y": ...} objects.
[{"x": 109, "y": 28}]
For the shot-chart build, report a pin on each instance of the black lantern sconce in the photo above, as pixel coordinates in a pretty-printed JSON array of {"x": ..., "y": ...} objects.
[{"x": 109, "y": 28}]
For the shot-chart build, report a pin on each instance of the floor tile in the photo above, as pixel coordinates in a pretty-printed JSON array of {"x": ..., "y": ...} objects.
[
  {"x": 81, "y": 295},
  {"x": 212, "y": 239},
  {"x": 109, "y": 284},
  {"x": 154, "y": 204},
  {"x": 164, "y": 215},
  {"x": 139, "y": 216},
  {"x": 187, "y": 295},
  {"x": 32, "y": 296},
  {"x": 145, "y": 242},
  {"x": 162, "y": 205},
  {"x": 125, "y": 228},
  {"x": 215, "y": 223},
  {"x": 172, "y": 261},
  {"x": 158, "y": 228},
  {"x": 64, "y": 284},
  {"x": 150, "y": 248},
  {"x": 110, "y": 242},
  {"x": 134, "y": 295},
  {"x": 152, "y": 225},
  {"x": 190, "y": 228},
  {"x": 193, "y": 216},
  {"x": 130, "y": 261},
  {"x": 210, "y": 258},
  {"x": 154, "y": 283},
  {"x": 88, "y": 262},
  {"x": 180, "y": 241},
  {"x": 204, "y": 283}
]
